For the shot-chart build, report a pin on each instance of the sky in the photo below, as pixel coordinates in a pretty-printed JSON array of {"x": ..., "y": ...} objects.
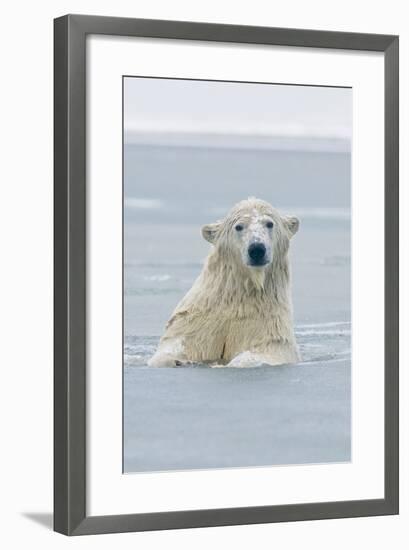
[{"x": 161, "y": 107}]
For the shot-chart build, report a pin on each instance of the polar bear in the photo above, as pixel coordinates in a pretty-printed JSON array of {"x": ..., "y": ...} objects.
[{"x": 238, "y": 313}]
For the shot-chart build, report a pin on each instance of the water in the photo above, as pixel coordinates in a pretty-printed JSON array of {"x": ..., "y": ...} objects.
[{"x": 199, "y": 417}]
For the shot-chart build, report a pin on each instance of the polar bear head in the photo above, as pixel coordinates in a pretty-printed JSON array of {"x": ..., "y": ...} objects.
[{"x": 253, "y": 233}]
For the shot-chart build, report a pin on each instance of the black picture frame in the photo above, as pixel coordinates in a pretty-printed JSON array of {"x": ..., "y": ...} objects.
[{"x": 70, "y": 33}]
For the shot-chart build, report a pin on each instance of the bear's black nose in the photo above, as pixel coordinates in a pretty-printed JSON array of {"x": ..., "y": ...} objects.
[{"x": 257, "y": 251}]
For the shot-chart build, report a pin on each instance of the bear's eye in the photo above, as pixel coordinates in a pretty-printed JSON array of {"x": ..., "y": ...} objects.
[
  {"x": 239, "y": 227},
  {"x": 270, "y": 225}
]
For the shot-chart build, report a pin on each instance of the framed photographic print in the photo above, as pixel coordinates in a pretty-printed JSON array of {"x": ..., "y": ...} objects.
[{"x": 226, "y": 275}]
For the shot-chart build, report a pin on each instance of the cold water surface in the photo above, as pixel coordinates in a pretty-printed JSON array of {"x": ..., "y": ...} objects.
[{"x": 199, "y": 417}]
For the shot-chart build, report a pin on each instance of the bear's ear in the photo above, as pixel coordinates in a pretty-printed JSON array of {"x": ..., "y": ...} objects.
[
  {"x": 292, "y": 223},
  {"x": 211, "y": 231}
]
